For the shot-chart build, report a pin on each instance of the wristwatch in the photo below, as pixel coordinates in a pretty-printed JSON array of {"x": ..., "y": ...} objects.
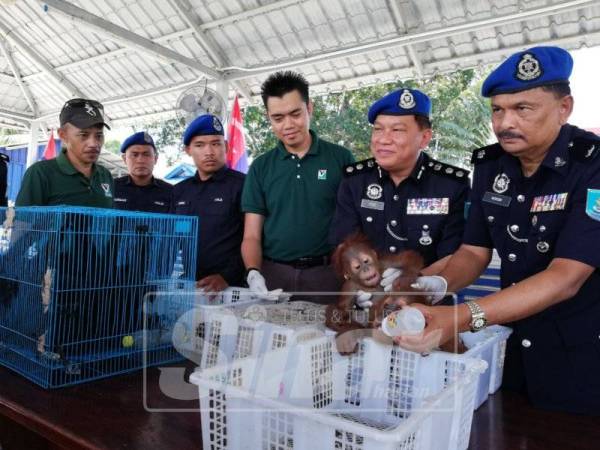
[{"x": 478, "y": 320}]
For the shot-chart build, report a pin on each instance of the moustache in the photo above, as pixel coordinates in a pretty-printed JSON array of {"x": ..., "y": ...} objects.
[{"x": 509, "y": 135}]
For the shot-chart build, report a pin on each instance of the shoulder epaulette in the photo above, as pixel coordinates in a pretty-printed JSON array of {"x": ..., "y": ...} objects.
[
  {"x": 454, "y": 172},
  {"x": 4, "y": 157},
  {"x": 584, "y": 148},
  {"x": 487, "y": 153},
  {"x": 360, "y": 167}
]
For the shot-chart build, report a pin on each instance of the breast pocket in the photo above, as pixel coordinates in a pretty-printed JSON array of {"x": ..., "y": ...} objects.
[{"x": 183, "y": 208}]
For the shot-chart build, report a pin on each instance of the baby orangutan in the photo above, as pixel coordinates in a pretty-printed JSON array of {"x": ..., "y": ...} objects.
[{"x": 361, "y": 267}]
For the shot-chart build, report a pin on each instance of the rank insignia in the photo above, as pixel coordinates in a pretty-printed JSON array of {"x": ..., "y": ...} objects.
[
  {"x": 501, "y": 183},
  {"x": 551, "y": 202},
  {"x": 592, "y": 207},
  {"x": 559, "y": 162},
  {"x": 427, "y": 206}
]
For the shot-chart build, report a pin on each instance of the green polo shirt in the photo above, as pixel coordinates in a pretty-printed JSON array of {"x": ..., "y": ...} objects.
[
  {"x": 297, "y": 197},
  {"x": 57, "y": 182}
]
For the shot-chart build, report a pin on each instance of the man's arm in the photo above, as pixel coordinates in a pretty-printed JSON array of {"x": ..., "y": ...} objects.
[
  {"x": 465, "y": 266},
  {"x": 346, "y": 219},
  {"x": 252, "y": 242},
  {"x": 560, "y": 281},
  {"x": 34, "y": 188}
]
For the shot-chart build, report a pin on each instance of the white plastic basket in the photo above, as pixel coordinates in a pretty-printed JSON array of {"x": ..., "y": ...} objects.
[
  {"x": 307, "y": 396},
  {"x": 489, "y": 345},
  {"x": 231, "y": 334}
]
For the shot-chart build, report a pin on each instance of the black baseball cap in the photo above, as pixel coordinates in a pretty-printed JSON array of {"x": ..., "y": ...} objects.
[{"x": 83, "y": 113}]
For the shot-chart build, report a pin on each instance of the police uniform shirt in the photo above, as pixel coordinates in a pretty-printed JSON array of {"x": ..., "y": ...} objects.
[
  {"x": 216, "y": 202},
  {"x": 154, "y": 197},
  {"x": 554, "y": 213},
  {"x": 425, "y": 212}
]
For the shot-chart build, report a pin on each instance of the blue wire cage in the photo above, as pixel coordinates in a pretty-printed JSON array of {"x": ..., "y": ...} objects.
[{"x": 77, "y": 291}]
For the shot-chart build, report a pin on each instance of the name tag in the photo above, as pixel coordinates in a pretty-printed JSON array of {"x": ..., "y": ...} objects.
[
  {"x": 496, "y": 199},
  {"x": 123, "y": 200},
  {"x": 427, "y": 206},
  {"x": 372, "y": 204},
  {"x": 181, "y": 203},
  {"x": 551, "y": 202},
  {"x": 159, "y": 203}
]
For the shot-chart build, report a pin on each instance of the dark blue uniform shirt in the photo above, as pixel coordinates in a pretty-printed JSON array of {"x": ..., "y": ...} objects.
[
  {"x": 425, "y": 212},
  {"x": 217, "y": 203},
  {"x": 4, "y": 159},
  {"x": 154, "y": 197},
  {"x": 554, "y": 354}
]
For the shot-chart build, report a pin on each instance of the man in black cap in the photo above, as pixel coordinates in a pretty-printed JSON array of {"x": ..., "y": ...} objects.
[
  {"x": 73, "y": 177},
  {"x": 536, "y": 200},
  {"x": 214, "y": 195},
  {"x": 140, "y": 190}
]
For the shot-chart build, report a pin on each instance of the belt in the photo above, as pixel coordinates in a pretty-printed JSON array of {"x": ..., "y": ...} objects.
[{"x": 304, "y": 262}]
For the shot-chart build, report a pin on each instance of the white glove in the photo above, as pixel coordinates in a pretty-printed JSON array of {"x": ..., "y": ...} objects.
[
  {"x": 434, "y": 285},
  {"x": 258, "y": 287},
  {"x": 363, "y": 299},
  {"x": 389, "y": 276}
]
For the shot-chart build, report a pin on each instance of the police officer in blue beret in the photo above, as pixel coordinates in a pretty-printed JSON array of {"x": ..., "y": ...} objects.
[
  {"x": 536, "y": 200},
  {"x": 402, "y": 198},
  {"x": 214, "y": 195},
  {"x": 140, "y": 190}
]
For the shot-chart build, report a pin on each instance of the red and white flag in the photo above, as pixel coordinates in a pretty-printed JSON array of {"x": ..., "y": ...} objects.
[
  {"x": 50, "y": 150},
  {"x": 236, "y": 143}
]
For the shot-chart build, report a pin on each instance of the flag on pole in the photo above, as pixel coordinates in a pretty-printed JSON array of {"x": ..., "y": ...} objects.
[
  {"x": 236, "y": 143},
  {"x": 50, "y": 150}
]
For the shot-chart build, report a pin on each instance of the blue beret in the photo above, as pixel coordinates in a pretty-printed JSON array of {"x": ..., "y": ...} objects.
[
  {"x": 203, "y": 126},
  {"x": 537, "y": 66},
  {"x": 139, "y": 138},
  {"x": 402, "y": 102}
]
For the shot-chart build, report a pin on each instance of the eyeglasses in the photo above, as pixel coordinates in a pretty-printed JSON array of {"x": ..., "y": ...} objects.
[{"x": 81, "y": 102}]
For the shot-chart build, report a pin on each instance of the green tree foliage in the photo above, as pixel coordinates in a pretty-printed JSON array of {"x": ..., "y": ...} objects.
[{"x": 460, "y": 117}]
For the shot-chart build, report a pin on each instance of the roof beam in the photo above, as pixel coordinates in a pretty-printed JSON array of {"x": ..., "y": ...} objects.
[
  {"x": 401, "y": 26},
  {"x": 69, "y": 88},
  {"x": 187, "y": 13},
  {"x": 16, "y": 116},
  {"x": 240, "y": 73},
  {"x": 15, "y": 70},
  {"x": 125, "y": 37},
  {"x": 232, "y": 18},
  {"x": 13, "y": 126}
]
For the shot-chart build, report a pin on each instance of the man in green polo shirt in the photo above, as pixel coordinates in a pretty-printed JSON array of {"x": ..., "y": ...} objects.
[
  {"x": 73, "y": 177},
  {"x": 289, "y": 198}
]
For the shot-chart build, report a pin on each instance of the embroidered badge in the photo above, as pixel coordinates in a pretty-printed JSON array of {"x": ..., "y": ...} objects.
[
  {"x": 407, "y": 101},
  {"x": 501, "y": 183},
  {"x": 90, "y": 110},
  {"x": 528, "y": 68},
  {"x": 322, "y": 174},
  {"x": 374, "y": 191},
  {"x": 551, "y": 202},
  {"x": 427, "y": 206},
  {"x": 217, "y": 124},
  {"x": 592, "y": 207},
  {"x": 106, "y": 188}
]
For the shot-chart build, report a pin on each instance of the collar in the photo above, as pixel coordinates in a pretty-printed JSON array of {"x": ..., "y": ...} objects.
[
  {"x": 417, "y": 172},
  {"x": 313, "y": 150},
  {"x": 218, "y": 175},
  {"x": 65, "y": 165},
  {"x": 558, "y": 154},
  {"x": 129, "y": 181}
]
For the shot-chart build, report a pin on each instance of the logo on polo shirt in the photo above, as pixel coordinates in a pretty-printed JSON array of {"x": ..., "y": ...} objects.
[
  {"x": 322, "y": 174},
  {"x": 106, "y": 188}
]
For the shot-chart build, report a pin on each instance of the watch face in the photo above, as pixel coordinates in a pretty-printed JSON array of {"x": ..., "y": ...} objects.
[{"x": 478, "y": 323}]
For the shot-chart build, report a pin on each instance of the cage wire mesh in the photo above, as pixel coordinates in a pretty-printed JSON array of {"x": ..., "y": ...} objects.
[{"x": 73, "y": 285}]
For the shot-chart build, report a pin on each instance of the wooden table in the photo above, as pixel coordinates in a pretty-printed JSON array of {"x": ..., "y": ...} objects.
[{"x": 110, "y": 414}]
